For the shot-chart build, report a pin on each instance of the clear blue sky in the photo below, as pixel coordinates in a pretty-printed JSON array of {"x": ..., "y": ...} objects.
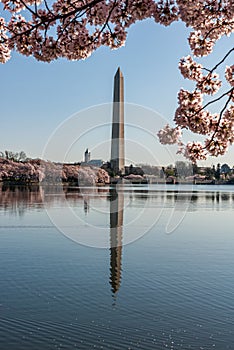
[{"x": 37, "y": 97}]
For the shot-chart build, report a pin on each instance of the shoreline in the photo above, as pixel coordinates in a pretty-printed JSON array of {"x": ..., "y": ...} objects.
[{"x": 114, "y": 182}]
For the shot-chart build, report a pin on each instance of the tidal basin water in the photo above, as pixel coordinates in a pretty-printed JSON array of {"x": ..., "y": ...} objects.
[{"x": 132, "y": 267}]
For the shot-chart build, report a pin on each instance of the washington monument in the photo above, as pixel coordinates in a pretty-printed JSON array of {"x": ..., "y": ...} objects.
[{"x": 117, "y": 143}]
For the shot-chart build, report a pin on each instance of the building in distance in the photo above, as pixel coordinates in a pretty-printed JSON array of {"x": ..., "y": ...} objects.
[{"x": 91, "y": 162}]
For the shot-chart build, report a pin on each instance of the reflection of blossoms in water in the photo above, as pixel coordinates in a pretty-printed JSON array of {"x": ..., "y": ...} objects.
[{"x": 18, "y": 199}]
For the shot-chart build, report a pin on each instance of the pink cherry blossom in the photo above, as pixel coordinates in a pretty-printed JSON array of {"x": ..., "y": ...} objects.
[
  {"x": 209, "y": 84},
  {"x": 216, "y": 147},
  {"x": 74, "y": 29},
  {"x": 169, "y": 135},
  {"x": 190, "y": 69},
  {"x": 195, "y": 151},
  {"x": 37, "y": 170},
  {"x": 229, "y": 75}
]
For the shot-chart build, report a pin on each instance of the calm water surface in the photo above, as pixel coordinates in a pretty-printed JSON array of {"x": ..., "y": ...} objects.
[{"x": 162, "y": 279}]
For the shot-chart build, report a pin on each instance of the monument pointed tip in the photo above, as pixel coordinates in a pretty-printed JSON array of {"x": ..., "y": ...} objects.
[{"x": 119, "y": 72}]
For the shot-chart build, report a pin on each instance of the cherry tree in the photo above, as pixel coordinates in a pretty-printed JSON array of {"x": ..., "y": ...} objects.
[
  {"x": 73, "y": 29},
  {"x": 38, "y": 170}
]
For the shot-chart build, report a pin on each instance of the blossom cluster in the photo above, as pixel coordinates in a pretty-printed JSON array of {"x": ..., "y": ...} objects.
[
  {"x": 73, "y": 29},
  {"x": 210, "y": 21},
  {"x": 4, "y": 49},
  {"x": 194, "y": 151},
  {"x": 68, "y": 28},
  {"x": 38, "y": 170},
  {"x": 229, "y": 75},
  {"x": 169, "y": 135},
  {"x": 20, "y": 172}
]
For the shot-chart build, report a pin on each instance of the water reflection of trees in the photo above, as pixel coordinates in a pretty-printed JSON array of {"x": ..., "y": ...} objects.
[
  {"x": 17, "y": 199},
  {"x": 195, "y": 199}
]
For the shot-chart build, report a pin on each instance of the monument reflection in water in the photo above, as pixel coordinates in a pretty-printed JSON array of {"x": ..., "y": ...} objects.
[
  {"x": 18, "y": 201},
  {"x": 116, "y": 234}
]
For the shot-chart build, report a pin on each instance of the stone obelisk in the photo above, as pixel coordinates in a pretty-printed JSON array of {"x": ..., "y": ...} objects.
[{"x": 117, "y": 143}]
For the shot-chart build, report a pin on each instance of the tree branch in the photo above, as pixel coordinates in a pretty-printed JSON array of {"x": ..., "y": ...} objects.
[{"x": 54, "y": 18}]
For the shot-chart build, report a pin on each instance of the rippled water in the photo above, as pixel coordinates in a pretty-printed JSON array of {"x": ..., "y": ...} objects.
[{"x": 162, "y": 279}]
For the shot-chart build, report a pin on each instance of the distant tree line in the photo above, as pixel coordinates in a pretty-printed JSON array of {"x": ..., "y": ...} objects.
[
  {"x": 14, "y": 156},
  {"x": 185, "y": 169}
]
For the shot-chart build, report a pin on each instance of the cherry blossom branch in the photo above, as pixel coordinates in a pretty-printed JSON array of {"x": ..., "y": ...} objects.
[
  {"x": 217, "y": 99},
  {"x": 75, "y": 28},
  {"x": 220, "y": 62},
  {"x": 48, "y": 9},
  {"x": 54, "y": 18},
  {"x": 28, "y": 8},
  {"x": 215, "y": 28},
  {"x": 220, "y": 118}
]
